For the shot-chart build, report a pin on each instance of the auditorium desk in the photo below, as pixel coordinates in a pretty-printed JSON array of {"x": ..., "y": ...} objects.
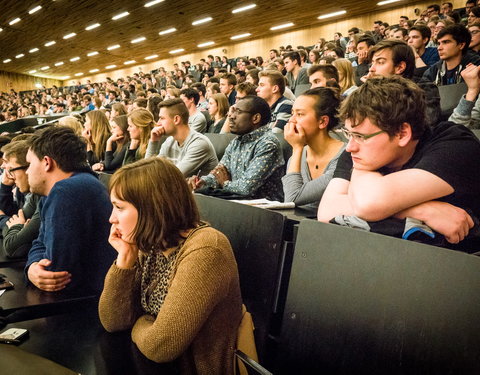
[
  {"x": 27, "y": 302},
  {"x": 78, "y": 342}
]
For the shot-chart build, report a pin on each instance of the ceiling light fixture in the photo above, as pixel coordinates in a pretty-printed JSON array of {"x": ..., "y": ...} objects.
[
  {"x": 152, "y": 3},
  {"x": 32, "y": 71},
  {"x": 14, "y": 21},
  {"x": 203, "y": 20},
  {"x": 68, "y": 36},
  {"x": 330, "y": 15},
  {"x": 242, "y": 9},
  {"x": 36, "y": 9},
  {"x": 74, "y": 59},
  {"x": 129, "y": 62},
  {"x": 92, "y": 53},
  {"x": 48, "y": 44},
  {"x": 44, "y": 67},
  {"x": 120, "y": 15},
  {"x": 64, "y": 78},
  {"x": 94, "y": 70},
  {"x": 177, "y": 50},
  {"x": 206, "y": 44},
  {"x": 60, "y": 63},
  {"x": 78, "y": 74},
  {"x": 283, "y": 26},
  {"x": 91, "y": 27},
  {"x": 138, "y": 40},
  {"x": 239, "y": 36},
  {"x": 151, "y": 57},
  {"x": 387, "y": 2},
  {"x": 110, "y": 66},
  {"x": 7, "y": 61},
  {"x": 33, "y": 50},
  {"x": 19, "y": 55},
  {"x": 168, "y": 31},
  {"x": 113, "y": 47}
]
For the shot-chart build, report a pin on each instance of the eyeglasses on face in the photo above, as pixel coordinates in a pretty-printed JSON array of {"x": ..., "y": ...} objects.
[
  {"x": 357, "y": 137},
  {"x": 10, "y": 171}
]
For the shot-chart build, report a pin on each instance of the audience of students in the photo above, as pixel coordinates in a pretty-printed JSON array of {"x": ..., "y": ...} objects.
[{"x": 402, "y": 169}]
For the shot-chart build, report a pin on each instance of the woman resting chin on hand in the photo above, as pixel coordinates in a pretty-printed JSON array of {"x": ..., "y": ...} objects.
[{"x": 175, "y": 281}]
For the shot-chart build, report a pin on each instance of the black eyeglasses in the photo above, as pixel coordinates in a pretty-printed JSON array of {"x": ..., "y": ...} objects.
[{"x": 11, "y": 170}]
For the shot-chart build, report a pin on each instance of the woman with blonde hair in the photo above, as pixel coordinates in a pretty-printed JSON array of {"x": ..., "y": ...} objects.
[
  {"x": 346, "y": 76},
  {"x": 96, "y": 132},
  {"x": 72, "y": 123},
  {"x": 140, "y": 123},
  {"x": 218, "y": 109},
  {"x": 118, "y": 109},
  {"x": 176, "y": 277}
]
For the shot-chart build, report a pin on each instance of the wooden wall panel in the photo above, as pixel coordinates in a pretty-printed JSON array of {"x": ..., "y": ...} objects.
[
  {"x": 21, "y": 82},
  {"x": 306, "y": 37}
]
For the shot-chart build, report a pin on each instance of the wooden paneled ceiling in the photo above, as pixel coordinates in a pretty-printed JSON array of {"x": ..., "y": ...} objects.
[{"x": 57, "y": 18}]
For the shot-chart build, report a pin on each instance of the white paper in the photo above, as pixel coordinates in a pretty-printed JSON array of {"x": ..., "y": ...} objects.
[{"x": 265, "y": 203}]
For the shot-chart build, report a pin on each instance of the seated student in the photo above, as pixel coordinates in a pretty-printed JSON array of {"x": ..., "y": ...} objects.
[
  {"x": 346, "y": 76},
  {"x": 190, "y": 151},
  {"x": 140, "y": 124},
  {"x": 196, "y": 119},
  {"x": 72, "y": 123},
  {"x": 401, "y": 167},
  {"x": 418, "y": 38},
  {"x": 71, "y": 250},
  {"x": 175, "y": 276},
  {"x": 297, "y": 76},
  {"x": 96, "y": 132},
  {"x": 395, "y": 57},
  {"x": 271, "y": 87},
  {"x": 117, "y": 145},
  {"x": 218, "y": 109},
  {"x": 22, "y": 227},
  {"x": 252, "y": 163},
  {"x": 314, "y": 152},
  {"x": 454, "y": 56},
  {"x": 227, "y": 85},
  {"x": 322, "y": 75}
]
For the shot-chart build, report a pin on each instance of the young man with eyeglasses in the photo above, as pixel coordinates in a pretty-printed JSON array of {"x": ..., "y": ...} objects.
[
  {"x": 475, "y": 34},
  {"x": 396, "y": 166},
  {"x": 252, "y": 165},
  {"x": 20, "y": 220}
]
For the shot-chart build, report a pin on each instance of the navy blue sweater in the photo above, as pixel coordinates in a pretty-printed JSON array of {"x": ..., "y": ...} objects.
[{"x": 74, "y": 231}]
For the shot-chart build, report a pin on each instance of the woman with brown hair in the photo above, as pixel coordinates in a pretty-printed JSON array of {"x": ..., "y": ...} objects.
[
  {"x": 140, "y": 123},
  {"x": 314, "y": 151},
  {"x": 175, "y": 276},
  {"x": 218, "y": 109},
  {"x": 117, "y": 145},
  {"x": 96, "y": 132}
]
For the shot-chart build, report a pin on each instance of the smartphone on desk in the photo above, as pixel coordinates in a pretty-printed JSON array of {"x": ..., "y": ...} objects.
[{"x": 13, "y": 336}]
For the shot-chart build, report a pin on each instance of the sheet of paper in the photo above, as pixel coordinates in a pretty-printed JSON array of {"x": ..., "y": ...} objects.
[{"x": 265, "y": 203}]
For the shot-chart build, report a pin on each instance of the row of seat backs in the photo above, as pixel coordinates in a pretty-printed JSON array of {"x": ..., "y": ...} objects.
[{"x": 363, "y": 303}]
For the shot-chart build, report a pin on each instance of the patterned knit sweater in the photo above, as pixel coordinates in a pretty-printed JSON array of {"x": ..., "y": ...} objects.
[{"x": 199, "y": 318}]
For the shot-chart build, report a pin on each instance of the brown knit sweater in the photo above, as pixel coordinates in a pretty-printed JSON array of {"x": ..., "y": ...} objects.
[{"x": 199, "y": 319}]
